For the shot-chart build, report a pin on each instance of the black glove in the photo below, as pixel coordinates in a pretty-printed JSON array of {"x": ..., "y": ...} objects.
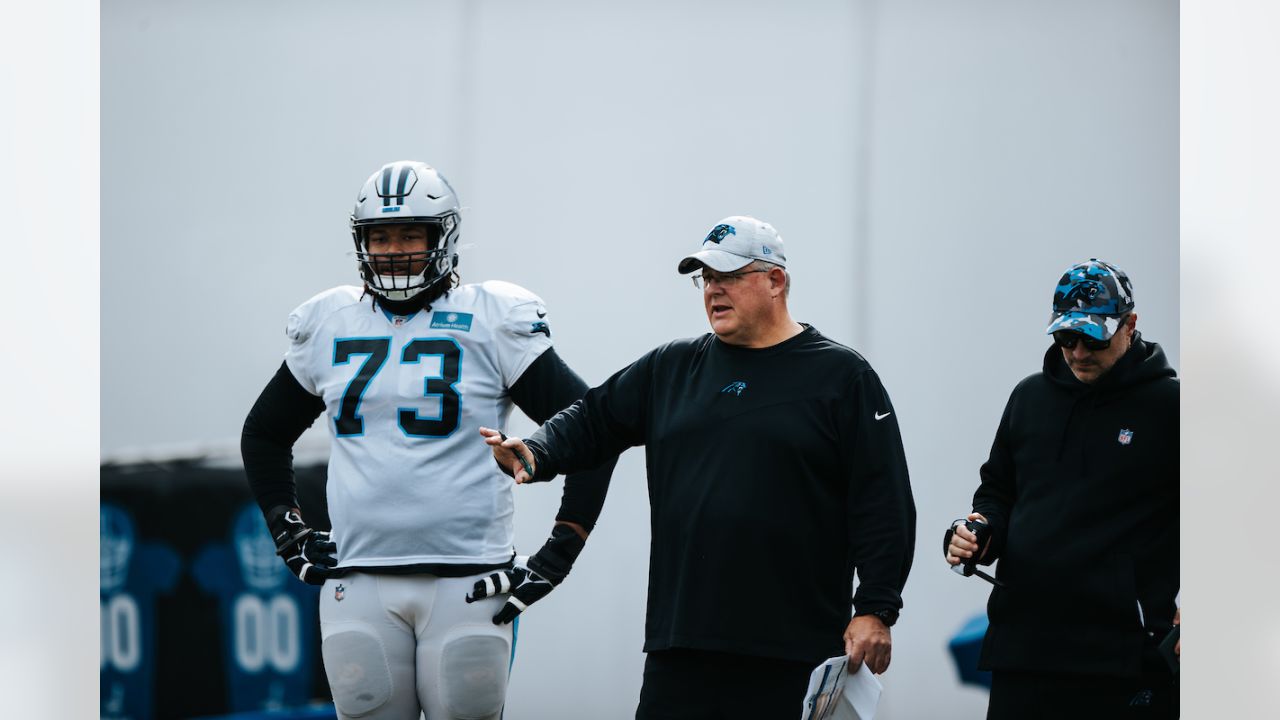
[
  {"x": 980, "y": 530},
  {"x": 529, "y": 580},
  {"x": 310, "y": 554}
]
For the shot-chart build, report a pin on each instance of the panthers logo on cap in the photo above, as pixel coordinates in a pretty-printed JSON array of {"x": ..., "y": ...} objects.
[
  {"x": 719, "y": 233},
  {"x": 1083, "y": 293}
]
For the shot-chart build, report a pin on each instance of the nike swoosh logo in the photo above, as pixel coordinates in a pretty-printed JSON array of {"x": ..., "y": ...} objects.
[
  {"x": 881, "y": 417},
  {"x": 541, "y": 313}
]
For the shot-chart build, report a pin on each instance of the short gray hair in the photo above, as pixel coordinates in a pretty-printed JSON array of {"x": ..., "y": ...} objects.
[{"x": 766, "y": 265}]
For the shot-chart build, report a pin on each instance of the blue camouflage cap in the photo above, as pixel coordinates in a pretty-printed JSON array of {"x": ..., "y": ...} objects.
[{"x": 1090, "y": 299}]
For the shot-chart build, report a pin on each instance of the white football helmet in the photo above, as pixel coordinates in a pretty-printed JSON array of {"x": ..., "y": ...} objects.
[{"x": 402, "y": 192}]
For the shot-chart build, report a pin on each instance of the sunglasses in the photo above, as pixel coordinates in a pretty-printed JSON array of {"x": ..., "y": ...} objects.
[{"x": 1068, "y": 339}]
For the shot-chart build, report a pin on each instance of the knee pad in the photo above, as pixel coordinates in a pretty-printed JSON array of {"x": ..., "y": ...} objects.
[
  {"x": 359, "y": 676},
  {"x": 473, "y": 675}
]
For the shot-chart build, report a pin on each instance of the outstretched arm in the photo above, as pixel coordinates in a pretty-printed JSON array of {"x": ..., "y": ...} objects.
[{"x": 546, "y": 387}]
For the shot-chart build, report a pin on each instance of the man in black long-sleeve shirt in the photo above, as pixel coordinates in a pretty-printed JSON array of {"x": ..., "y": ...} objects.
[{"x": 775, "y": 469}]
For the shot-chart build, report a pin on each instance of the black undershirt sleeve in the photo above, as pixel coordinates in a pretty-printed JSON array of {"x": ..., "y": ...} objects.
[
  {"x": 283, "y": 411},
  {"x": 546, "y": 387}
]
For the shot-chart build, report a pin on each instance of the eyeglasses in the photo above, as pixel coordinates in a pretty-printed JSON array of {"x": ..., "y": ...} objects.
[
  {"x": 1068, "y": 339},
  {"x": 725, "y": 279}
]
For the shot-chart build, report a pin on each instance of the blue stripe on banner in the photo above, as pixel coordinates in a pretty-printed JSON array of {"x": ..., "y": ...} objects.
[{"x": 317, "y": 711}]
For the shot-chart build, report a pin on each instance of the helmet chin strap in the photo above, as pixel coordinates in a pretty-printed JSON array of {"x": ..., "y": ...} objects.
[
  {"x": 401, "y": 307},
  {"x": 420, "y": 299},
  {"x": 399, "y": 287}
]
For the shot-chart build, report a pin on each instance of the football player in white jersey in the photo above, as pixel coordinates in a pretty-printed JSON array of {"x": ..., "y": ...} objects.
[{"x": 406, "y": 367}]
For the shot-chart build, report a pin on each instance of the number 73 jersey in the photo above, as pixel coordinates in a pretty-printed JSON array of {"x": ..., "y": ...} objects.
[{"x": 410, "y": 480}]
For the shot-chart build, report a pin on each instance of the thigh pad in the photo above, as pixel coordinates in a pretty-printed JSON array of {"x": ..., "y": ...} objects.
[
  {"x": 473, "y": 675},
  {"x": 359, "y": 675}
]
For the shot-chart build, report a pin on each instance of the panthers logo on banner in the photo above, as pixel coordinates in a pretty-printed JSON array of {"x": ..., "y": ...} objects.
[
  {"x": 718, "y": 233},
  {"x": 133, "y": 574},
  {"x": 267, "y": 617}
]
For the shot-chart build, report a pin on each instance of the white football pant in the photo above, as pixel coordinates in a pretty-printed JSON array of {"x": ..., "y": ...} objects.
[{"x": 394, "y": 645}]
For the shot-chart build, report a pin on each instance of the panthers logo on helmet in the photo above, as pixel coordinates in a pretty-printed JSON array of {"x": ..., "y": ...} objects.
[{"x": 719, "y": 233}]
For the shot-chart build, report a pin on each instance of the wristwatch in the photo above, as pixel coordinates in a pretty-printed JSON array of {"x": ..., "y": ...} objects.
[{"x": 888, "y": 616}]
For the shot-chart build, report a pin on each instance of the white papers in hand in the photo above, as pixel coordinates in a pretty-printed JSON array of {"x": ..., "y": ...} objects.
[{"x": 836, "y": 694}]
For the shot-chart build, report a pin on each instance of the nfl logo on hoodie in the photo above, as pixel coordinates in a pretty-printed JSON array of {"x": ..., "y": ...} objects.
[{"x": 1126, "y": 437}]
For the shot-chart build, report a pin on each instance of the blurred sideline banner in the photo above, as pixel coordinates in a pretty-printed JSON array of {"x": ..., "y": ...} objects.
[
  {"x": 201, "y": 619},
  {"x": 965, "y": 647},
  {"x": 199, "y": 616}
]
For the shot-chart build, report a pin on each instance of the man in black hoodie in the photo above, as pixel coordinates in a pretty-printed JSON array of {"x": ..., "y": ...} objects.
[{"x": 1080, "y": 498}]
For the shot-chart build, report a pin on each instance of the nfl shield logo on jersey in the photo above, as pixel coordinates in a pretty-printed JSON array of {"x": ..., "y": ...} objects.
[
  {"x": 339, "y": 592},
  {"x": 1126, "y": 437}
]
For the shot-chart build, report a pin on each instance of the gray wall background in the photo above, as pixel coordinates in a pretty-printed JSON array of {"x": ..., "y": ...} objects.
[{"x": 933, "y": 166}]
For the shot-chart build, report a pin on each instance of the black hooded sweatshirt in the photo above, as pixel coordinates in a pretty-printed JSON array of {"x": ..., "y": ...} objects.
[{"x": 1081, "y": 491}]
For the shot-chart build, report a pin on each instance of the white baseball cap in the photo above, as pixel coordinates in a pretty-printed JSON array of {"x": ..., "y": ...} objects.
[{"x": 734, "y": 243}]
